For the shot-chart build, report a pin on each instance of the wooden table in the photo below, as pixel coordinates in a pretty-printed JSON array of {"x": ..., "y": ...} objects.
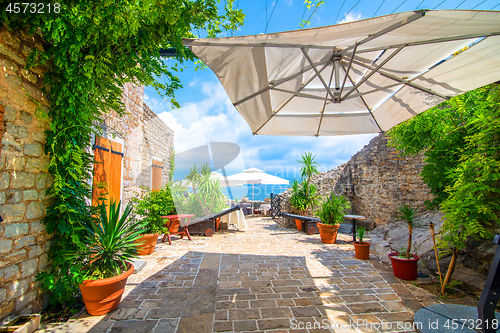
[
  {"x": 175, "y": 227},
  {"x": 354, "y": 218}
]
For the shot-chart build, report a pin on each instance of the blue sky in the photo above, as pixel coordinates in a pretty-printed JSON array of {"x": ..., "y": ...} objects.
[{"x": 207, "y": 115}]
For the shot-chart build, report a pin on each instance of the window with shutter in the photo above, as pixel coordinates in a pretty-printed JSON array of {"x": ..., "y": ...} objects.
[
  {"x": 157, "y": 169},
  {"x": 107, "y": 171}
]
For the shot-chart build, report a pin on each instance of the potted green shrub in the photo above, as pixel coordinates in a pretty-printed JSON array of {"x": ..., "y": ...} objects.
[
  {"x": 297, "y": 200},
  {"x": 361, "y": 249},
  {"x": 151, "y": 206},
  {"x": 331, "y": 213},
  {"x": 109, "y": 249},
  {"x": 404, "y": 264}
]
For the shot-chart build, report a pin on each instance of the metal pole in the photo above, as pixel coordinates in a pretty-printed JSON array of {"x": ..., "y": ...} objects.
[
  {"x": 253, "y": 201},
  {"x": 490, "y": 295}
]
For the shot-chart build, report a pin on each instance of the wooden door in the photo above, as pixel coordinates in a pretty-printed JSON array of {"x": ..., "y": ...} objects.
[
  {"x": 156, "y": 172},
  {"x": 107, "y": 171}
]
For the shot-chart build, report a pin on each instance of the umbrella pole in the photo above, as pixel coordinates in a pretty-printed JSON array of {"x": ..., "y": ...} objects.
[{"x": 253, "y": 201}]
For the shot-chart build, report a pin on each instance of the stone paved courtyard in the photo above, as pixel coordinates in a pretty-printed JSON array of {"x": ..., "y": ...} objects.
[{"x": 264, "y": 279}]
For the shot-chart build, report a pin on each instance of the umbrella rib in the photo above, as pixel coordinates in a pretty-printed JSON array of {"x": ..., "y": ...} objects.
[
  {"x": 348, "y": 68},
  {"x": 431, "y": 41},
  {"x": 324, "y": 103},
  {"x": 289, "y": 99},
  {"x": 366, "y": 105},
  {"x": 278, "y": 82},
  {"x": 318, "y": 74},
  {"x": 374, "y": 70},
  {"x": 418, "y": 14},
  {"x": 302, "y": 94},
  {"x": 372, "y": 91},
  {"x": 405, "y": 82}
]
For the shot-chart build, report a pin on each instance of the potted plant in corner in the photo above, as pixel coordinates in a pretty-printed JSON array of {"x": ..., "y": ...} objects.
[
  {"x": 331, "y": 213},
  {"x": 404, "y": 264},
  {"x": 361, "y": 249},
  {"x": 151, "y": 205},
  {"x": 106, "y": 256},
  {"x": 297, "y": 200}
]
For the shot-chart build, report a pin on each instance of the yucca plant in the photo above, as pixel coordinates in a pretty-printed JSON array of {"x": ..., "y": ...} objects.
[
  {"x": 332, "y": 210},
  {"x": 407, "y": 213},
  {"x": 109, "y": 243},
  {"x": 361, "y": 233}
]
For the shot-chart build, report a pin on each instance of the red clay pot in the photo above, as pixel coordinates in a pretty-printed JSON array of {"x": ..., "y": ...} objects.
[
  {"x": 328, "y": 233},
  {"x": 403, "y": 268},
  {"x": 146, "y": 244},
  {"x": 362, "y": 250},
  {"x": 299, "y": 224},
  {"x": 104, "y": 295}
]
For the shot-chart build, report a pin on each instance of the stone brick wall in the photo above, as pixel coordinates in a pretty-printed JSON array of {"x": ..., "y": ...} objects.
[
  {"x": 377, "y": 180},
  {"x": 23, "y": 177},
  {"x": 145, "y": 136},
  {"x": 381, "y": 181}
]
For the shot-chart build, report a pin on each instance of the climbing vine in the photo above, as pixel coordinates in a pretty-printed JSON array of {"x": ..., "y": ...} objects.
[{"x": 92, "y": 48}]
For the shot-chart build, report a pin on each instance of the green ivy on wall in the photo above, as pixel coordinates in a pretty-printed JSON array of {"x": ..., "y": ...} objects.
[{"x": 92, "y": 49}]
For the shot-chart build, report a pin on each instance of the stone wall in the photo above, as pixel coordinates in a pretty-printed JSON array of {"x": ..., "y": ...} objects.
[
  {"x": 145, "y": 136},
  {"x": 378, "y": 180},
  {"x": 23, "y": 177}
]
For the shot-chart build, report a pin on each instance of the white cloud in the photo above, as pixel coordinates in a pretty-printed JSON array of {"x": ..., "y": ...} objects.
[
  {"x": 351, "y": 17},
  {"x": 214, "y": 119}
]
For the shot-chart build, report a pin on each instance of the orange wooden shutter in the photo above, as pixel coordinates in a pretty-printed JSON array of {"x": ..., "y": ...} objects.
[
  {"x": 156, "y": 172},
  {"x": 107, "y": 170}
]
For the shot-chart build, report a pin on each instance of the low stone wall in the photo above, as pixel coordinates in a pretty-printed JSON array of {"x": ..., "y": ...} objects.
[{"x": 23, "y": 177}]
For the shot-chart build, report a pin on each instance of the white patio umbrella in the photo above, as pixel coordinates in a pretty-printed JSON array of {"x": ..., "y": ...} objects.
[
  {"x": 224, "y": 181},
  {"x": 357, "y": 77},
  {"x": 256, "y": 176}
]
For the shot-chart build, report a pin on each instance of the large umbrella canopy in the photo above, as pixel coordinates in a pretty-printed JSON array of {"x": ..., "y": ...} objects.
[
  {"x": 256, "y": 176},
  {"x": 358, "y": 77}
]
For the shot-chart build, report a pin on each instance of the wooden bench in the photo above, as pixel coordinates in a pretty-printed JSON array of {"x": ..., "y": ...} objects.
[{"x": 308, "y": 222}]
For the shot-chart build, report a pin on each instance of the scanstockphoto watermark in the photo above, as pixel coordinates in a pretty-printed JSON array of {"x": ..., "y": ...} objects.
[{"x": 299, "y": 324}]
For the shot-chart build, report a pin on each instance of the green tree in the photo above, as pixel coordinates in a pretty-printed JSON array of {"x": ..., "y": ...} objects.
[
  {"x": 461, "y": 143},
  {"x": 92, "y": 48}
]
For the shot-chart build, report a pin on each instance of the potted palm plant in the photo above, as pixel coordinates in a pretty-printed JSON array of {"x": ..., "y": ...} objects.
[
  {"x": 404, "y": 264},
  {"x": 361, "y": 249},
  {"x": 331, "y": 213},
  {"x": 151, "y": 206},
  {"x": 297, "y": 200},
  {"x": 109, "y": 249}
]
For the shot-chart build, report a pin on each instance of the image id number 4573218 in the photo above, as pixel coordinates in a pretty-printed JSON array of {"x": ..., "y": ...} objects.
[{"x": 32, "y": 8}]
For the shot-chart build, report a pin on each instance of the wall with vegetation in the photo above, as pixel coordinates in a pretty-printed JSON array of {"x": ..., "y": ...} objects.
[{"x": 23, "y": 176}]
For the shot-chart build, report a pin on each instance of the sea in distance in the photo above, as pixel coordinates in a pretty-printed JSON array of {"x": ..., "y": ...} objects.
[{"x": 261, "y": 191}]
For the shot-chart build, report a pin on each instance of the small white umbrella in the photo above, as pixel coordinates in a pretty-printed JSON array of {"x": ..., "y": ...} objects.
[{"x": 256, "y": 176}]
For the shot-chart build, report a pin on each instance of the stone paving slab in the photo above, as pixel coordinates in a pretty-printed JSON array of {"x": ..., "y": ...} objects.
[{"x": 265, "y": 279}]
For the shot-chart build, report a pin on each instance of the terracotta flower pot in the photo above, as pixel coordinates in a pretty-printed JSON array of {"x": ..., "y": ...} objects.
[
  {"x": 403, "y": 268},
  {"x": 146, "y": 244},
  {"x": 362, "y": 250},
  {"x": 299, "y": 224},
  {"x": 104, "y": 295},
  {"x": 328, "y": 233}
]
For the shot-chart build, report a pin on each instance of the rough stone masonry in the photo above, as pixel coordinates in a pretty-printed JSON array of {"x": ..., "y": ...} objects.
[{"x": 23, "y": 176}]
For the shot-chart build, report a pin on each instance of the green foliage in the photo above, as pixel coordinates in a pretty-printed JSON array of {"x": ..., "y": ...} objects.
[
  {"x": 333, "y": 209},
  {"x": 460, "y": 139},
  {"x": 206, "y": 197},
  {"x": 361, "y": 233},
  {"x": 109, "y": 244},
  {"x": 91, "y": 50},
  {"x": 407, "y": 213},
  {"x": 310, "y": 5},
  {"x": 151, "y": 205},
  {"x": 304, "y": 194}
]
